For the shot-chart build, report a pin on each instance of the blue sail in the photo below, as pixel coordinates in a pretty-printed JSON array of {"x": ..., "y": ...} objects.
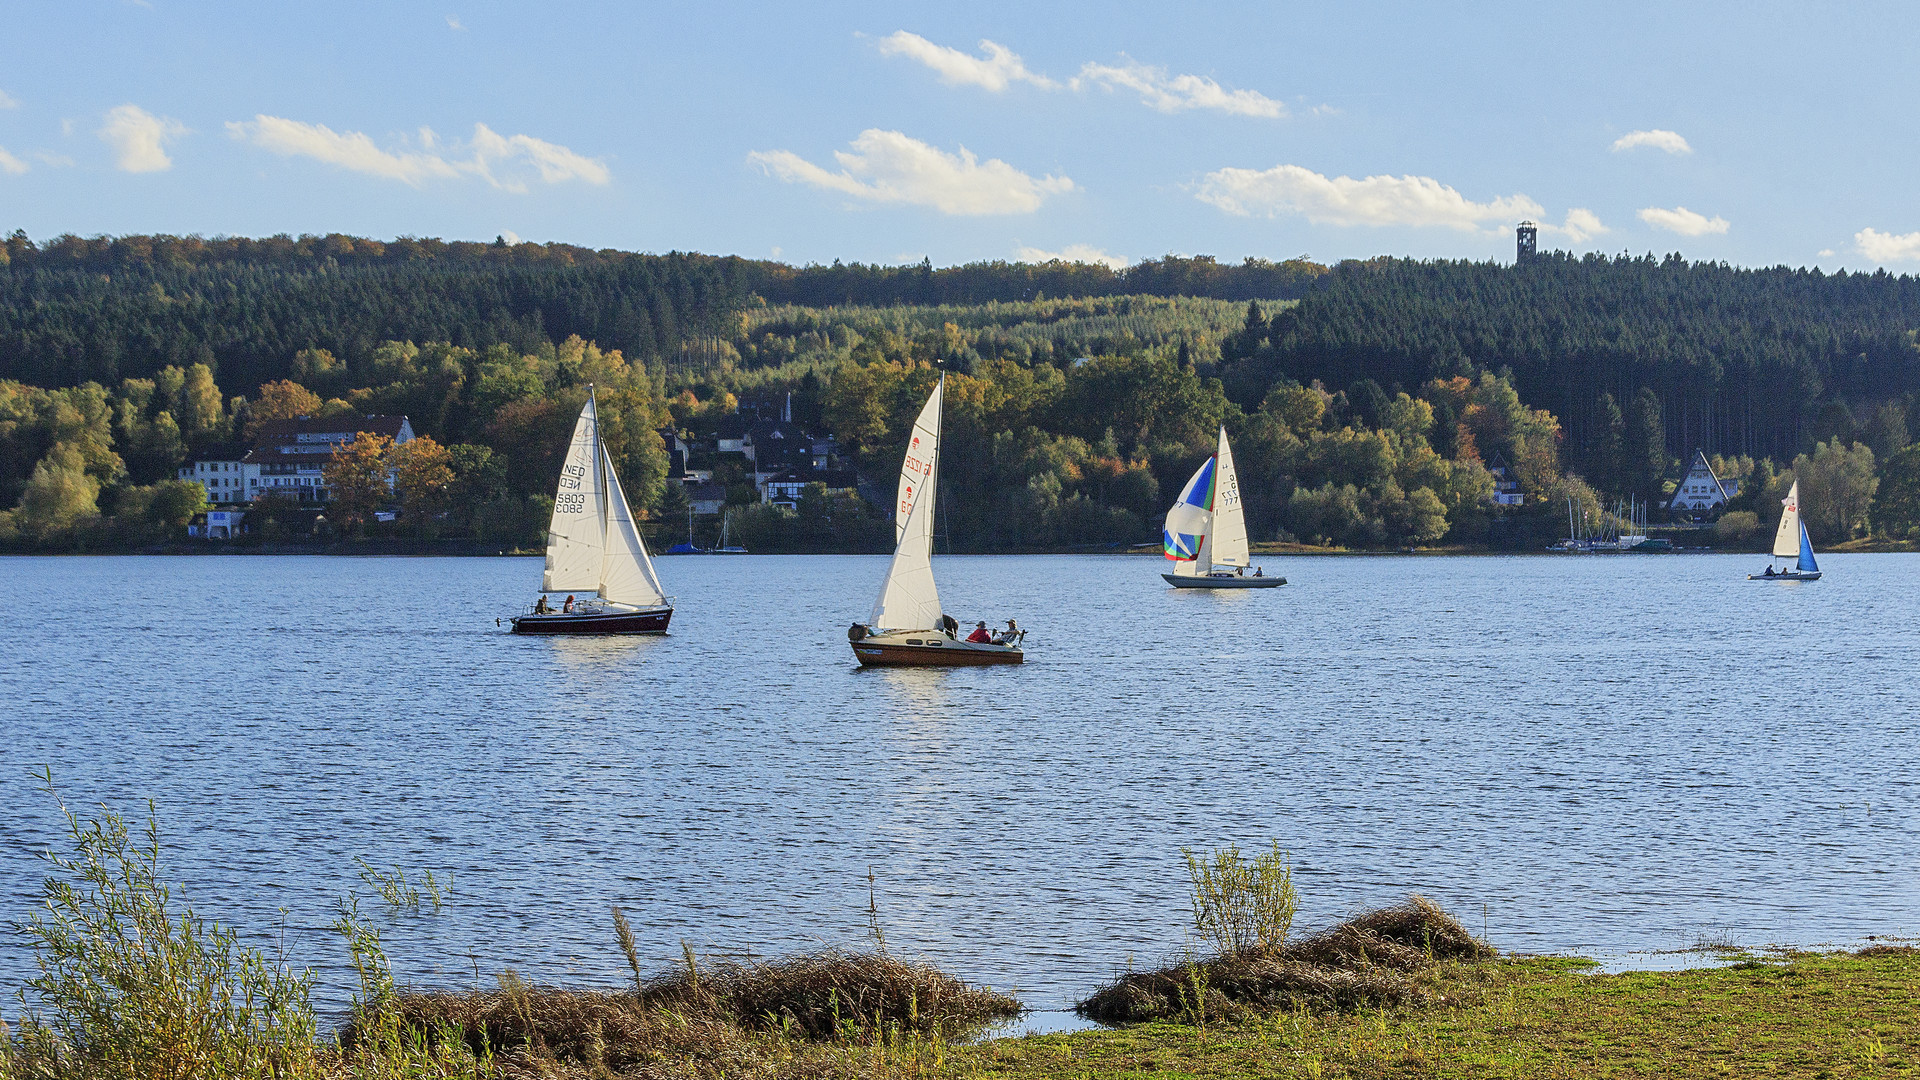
[{"x": 1807, "y": 565}]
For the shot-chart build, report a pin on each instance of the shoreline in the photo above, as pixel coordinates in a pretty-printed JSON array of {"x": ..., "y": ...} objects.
[{"x": 467, "y": 550}]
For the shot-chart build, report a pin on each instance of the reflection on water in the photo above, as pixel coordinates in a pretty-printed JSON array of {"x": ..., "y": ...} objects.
[{"x": 1598, "y": 754}]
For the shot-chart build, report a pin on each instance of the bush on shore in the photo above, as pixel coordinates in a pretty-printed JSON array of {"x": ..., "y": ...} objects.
[{"x": 1369, "y": 961}]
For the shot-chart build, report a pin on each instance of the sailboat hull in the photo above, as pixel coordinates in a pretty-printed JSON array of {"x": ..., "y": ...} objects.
[
  {"x": 1786, "y": 575},
  {"x": 931, "y": 648},
  {"x": 1180, "y": 582},
  {"x": 643, "y": 621}
]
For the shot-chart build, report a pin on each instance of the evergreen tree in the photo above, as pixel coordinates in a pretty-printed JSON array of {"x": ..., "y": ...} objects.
[{"x": 1646, "y": 446}]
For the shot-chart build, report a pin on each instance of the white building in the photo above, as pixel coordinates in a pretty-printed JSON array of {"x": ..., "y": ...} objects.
[
  {"x": 287, "y": 458},
  {"x": 1700, "y": 491},
  {"x": 222, "y": 471}
]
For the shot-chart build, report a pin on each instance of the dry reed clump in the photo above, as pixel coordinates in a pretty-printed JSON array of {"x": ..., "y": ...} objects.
[
  {"x": 1366, "y": 962},
  {"x": 712, "y": 1015}
]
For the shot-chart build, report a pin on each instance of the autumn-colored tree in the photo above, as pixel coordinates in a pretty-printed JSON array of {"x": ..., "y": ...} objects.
[
  {"x": 356, "y": 478},
  {"x": 282, "y": 400},
  {"x": 423, "y": 477}
]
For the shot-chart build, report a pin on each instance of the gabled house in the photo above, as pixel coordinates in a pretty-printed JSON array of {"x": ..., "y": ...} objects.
[
  {"x": 1506, "y": 485},
  {"x": 1700, "y": 491}
]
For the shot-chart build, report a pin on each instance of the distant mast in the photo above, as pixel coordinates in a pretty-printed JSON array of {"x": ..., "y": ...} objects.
[{"x": 1526, "y": 241}]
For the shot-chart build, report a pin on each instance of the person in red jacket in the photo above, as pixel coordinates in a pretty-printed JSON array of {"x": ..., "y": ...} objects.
[{"x": 980, "y": 635}]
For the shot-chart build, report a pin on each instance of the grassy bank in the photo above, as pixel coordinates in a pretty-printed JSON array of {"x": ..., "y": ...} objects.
[
  {"x": 132, "y": 984},
  {"x": 1822, "y": 1016}
]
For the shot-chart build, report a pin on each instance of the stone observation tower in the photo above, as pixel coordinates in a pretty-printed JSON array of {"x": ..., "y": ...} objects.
[{"x": 1526, "y": 238}]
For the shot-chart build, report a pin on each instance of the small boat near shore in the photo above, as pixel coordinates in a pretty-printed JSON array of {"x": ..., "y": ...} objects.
[
  {"x": 594, "y": 547},
  {"x": 908, "y": 596},
  {"x": 1790, "y": 540},
  {"x": 1207, "y": 529}
]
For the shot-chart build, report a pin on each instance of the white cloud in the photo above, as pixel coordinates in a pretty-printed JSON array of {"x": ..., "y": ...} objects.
[
  {"x": 510, "y": 237},
  {"x": 998, "y": 69},
  {"x": 1342, "y": 200},
  {"x": 1174, "y": 93},
  {"x": 1581, "y": 225},
  {"x": 48, "y": 157},
  {"x": 503, "y": 161},
  {"x": 8, "y": 101},
  {"x": 139, "y": 139},
  {"x": 890, "y": 167},
  {"x": 1073, "y": 253},
  {"x": 1827, "y": 253},
  {"x": 1683, "y": 221},
  {"x": 453, "y": 23},
  {"x": 1658, "y": 138},
  {"x": 10, "y": 164},
  {"x": 1887, "y": 247}
]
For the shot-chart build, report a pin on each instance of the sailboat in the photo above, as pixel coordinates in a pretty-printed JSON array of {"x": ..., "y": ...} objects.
[
  {"x": 1789, "y": 541},
  {"x": 594, "y": 547},
  {"x": 907, "y": 627},
  {"x": 1207, "y": 530}
]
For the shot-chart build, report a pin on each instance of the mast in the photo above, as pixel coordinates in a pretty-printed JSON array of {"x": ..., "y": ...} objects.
[{"x": 600, "y": 471}]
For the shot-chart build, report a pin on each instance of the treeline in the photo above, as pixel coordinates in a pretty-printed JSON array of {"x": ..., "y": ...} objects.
[
  {"x": 1763, "y": 362},
  {"x": 76, "y": 309},
  {"x": 92, "y": 466}
]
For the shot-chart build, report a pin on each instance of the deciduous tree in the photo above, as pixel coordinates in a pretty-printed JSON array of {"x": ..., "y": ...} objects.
[
  {"x": 423, "y": 478},
  {"x": 1836, "y": 489},
  {"x": 356, "y": 478}
]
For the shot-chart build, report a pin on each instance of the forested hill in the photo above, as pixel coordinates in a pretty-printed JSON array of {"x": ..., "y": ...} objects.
[
  {"x": 1753, "y": 362},
  {"x": 103, "y": 309},
  {"x": 1758, "y": 362}
]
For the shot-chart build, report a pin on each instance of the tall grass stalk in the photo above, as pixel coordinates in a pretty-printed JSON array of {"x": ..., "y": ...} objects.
[
  {"x": 1241, "y": 904},
  {"x": 625, "y": 934}
]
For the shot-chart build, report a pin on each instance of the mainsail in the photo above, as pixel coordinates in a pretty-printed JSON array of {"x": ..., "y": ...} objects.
[
  {"x": 1229, "y": 532},
  {"x": 593, "y": 543},
  {"x": 908, "y": 598},
  {"x": 1786, "y": 539},
  {"x": 1184, "y": 538}
]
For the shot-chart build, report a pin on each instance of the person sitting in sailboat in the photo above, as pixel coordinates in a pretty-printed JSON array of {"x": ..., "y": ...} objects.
[
  {"x": 980, "y": 636},
  {"x": 567, "y": 608},
  {"x": 540, "y": 606},
  {"x": 1009, "y": 636}
]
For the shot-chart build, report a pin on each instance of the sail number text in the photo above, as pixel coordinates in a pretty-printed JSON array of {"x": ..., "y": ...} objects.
[
  {"x": 572, "y": 475},
  {"x": 570, "y": 503}
]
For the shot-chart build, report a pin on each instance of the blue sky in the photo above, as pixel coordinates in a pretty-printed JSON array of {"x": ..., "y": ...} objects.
[{"x": 1756, "y": 133}]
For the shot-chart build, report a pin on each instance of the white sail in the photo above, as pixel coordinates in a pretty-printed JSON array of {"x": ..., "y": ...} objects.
[
  {"x": 626, "y": 574},
  {"x": 576, "y": 537},
  {"x": 908, "y": 598},
  {"x": 1228, "y": 537},
  {"x": 1786, "y": 539}
]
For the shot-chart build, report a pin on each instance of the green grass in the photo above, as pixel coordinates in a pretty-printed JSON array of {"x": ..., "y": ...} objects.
[{"x": 1821, "y": 1016}]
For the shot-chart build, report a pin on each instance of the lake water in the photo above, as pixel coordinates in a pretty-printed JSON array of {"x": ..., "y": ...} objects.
[{"x": 1600, "y": 754}]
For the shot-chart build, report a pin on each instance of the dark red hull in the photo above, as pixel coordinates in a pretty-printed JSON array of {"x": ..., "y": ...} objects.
[
  {"x": 871, "y": 654},
  {"x": 606, "y": 622}
]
